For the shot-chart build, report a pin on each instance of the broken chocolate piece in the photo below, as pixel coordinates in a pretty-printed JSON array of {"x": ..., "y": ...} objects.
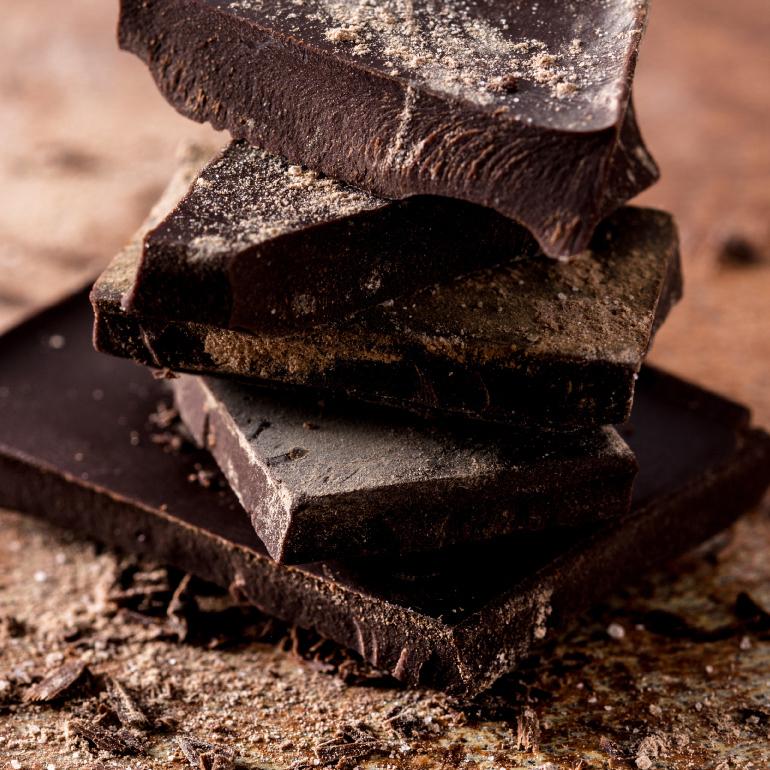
[
  {"x": 364, "y": 482},
  {"x": 457, "y": 619},
  {"x": 259, "y": 245},
  {"x": 523, "y": 109},
  {"x": 534, "y": 342}
]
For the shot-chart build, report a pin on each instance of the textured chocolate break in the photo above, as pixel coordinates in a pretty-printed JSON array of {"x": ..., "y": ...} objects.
[
  {"x": 532, "y": 342},
  {"x": 76, "y": 447},
  {"x": 323, "y": 482},
  {"x": 259, "y": 245},
  {"x": 524, "y": 108}
]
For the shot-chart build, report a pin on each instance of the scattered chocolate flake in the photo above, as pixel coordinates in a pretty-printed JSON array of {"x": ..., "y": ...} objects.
[
  {"x": 12, "y": 628},
  {"x": 527, "y": 731},
  {"x": 651, "y": 748},
  {"x": 125, "y": 707},
  {"x": 145, "y": 591},
  {"x": 179, "y": 608},
  {"x": 201, "y": 755},
  {"x": 409, "y": 722},
  {"x": 57, "y": 683},
  {"x": 352, "y": 744},
  {"x": 610, "y": 748},
  {"x": 119, "y": 741},
  {"x": 755, "y": 718},
  {"x": 358, "y": 673}
]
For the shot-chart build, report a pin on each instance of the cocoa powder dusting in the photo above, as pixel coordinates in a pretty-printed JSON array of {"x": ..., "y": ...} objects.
[{"x": 674, "y": 690}]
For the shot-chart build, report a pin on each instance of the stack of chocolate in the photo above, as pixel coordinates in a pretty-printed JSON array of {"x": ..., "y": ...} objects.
[{"x": 408, "y": 308}]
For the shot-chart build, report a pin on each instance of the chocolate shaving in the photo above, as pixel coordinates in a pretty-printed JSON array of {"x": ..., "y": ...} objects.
[
  {"x": 119, "y": 741},
  {"x": 353, "y": 744},
  {"x": 179, "y": 607},
  {"x": 201, "y": 755},
  {"x": 408, "y": 723},
  {"x": 56, "y": 683},
  {"x": 125, "y": 707},
  {"x": 527, "y": 730}
]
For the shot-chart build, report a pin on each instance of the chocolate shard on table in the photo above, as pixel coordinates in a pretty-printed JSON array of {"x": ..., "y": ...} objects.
[
  {"x": 260, "y": 245},
  {"x": 456, "y": 619},
  {"x": 332, "y": 481},
  {"x": 522, "y": 109},
  {"x": 534, "y": 342}
]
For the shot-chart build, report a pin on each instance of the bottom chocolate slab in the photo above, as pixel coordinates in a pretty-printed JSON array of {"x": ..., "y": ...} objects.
[{"x": 79, "y": 445}]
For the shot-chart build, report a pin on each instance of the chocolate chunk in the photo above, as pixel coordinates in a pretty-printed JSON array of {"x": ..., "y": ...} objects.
[
  {"x": 525, "y": 110},
  {"x": 457, "y": 619},
  {"x": 365, "y": 482},
  {"x": 533, "y": 342},
  {"x": 259, "y": 245}
]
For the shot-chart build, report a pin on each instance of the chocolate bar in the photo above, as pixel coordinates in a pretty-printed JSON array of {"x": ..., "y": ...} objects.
[
  {"x": 534, "y": 342},
  {"x": 523, "y": 109},
  {"x": 259, "y": 245},
  {"x": 324, "y": 482},
  {"x": 77, "y": 447}
]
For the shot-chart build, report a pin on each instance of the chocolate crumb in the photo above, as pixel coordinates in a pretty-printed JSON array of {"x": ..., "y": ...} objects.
[
  {"x": 504, "y": 83},
  {"x": 738, "y": 250}
]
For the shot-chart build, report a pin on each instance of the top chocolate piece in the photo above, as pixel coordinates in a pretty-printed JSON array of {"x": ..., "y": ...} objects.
[{"x": 524, "y": 108}]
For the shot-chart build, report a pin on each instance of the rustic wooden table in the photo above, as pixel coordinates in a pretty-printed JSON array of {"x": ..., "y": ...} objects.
[{"x": 673, "y": 674}]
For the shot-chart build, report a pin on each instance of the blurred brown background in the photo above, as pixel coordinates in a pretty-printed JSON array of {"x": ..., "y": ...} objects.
[{"x": 86, "y": 144}]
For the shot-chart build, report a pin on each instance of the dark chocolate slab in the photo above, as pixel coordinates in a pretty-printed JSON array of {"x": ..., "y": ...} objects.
[
  {"x": 533, "y": 342},
  {"x": 259, "y": 245},
  {"x": 524, "y": 108},
  {"x": 74, "y": 448},
  {"x": 332, "y": 481}
]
